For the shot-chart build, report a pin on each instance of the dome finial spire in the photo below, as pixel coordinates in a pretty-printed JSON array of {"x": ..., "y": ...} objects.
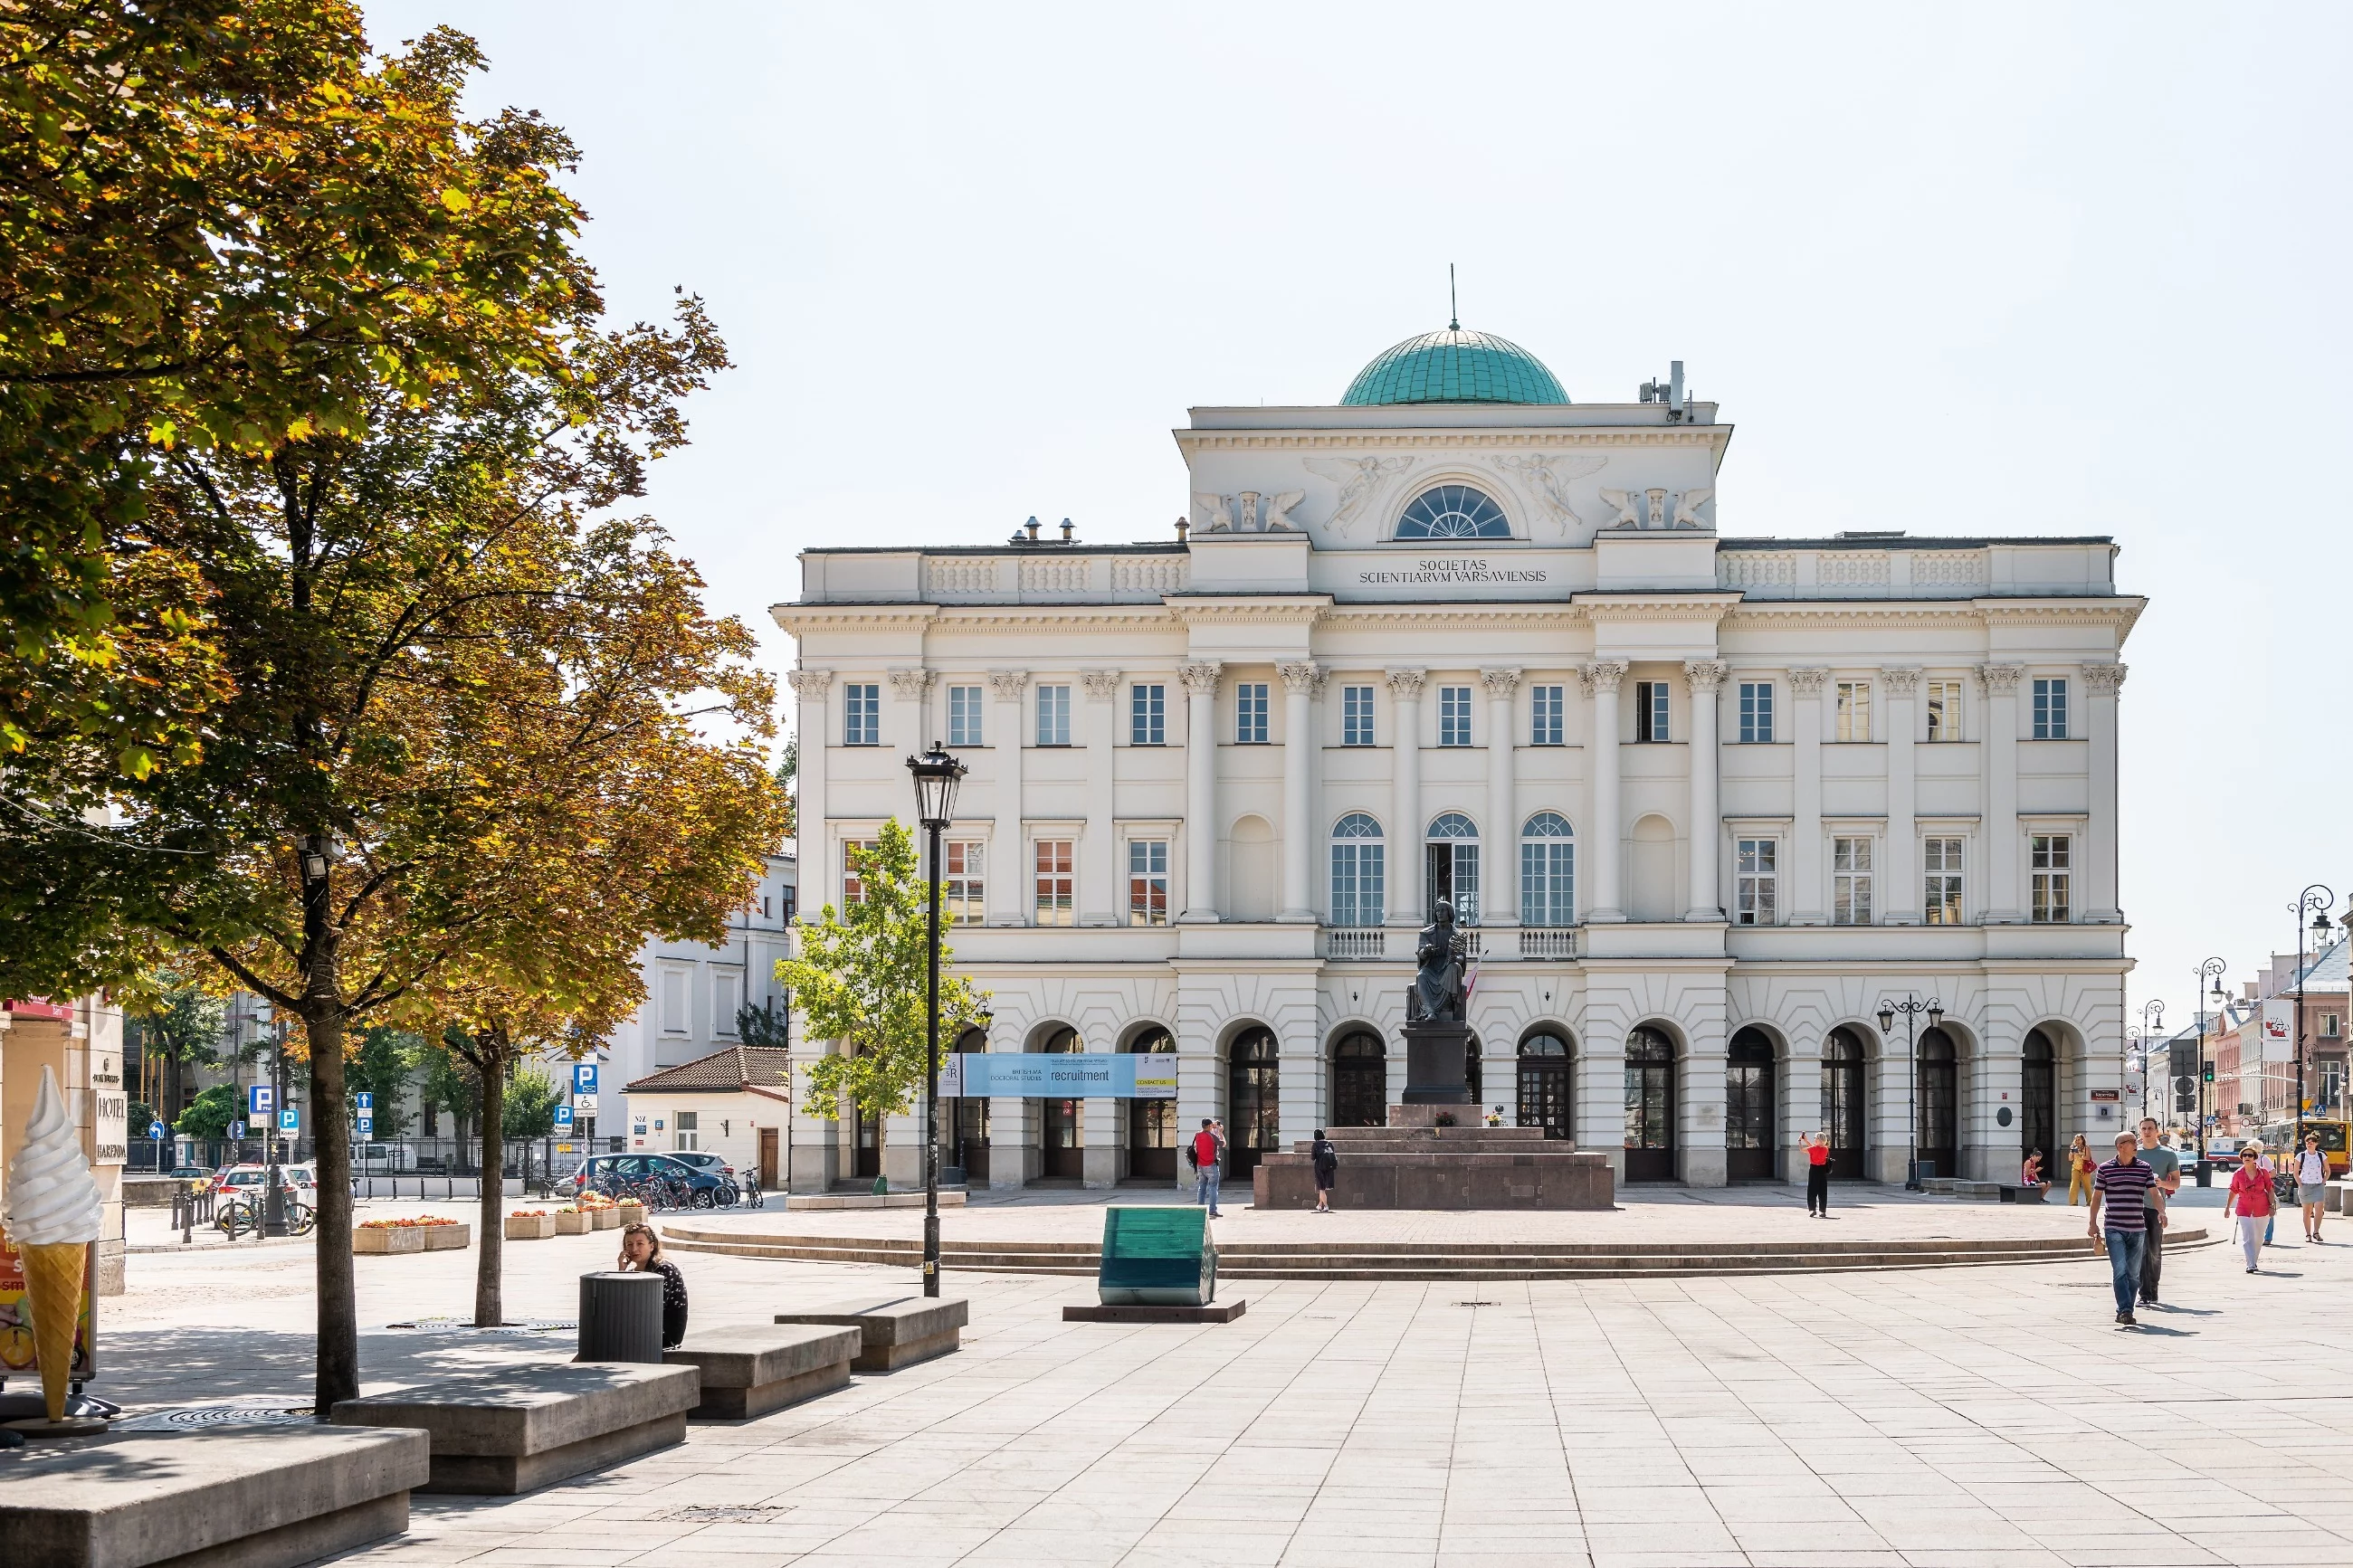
[{"x": 1453, "y": 312}]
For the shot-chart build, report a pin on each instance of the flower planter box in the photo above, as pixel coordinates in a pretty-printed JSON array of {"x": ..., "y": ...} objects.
[
  {"x": 628, "y": 1213},
  {"x": 574, "y": 1224},
  {"x": 383, "y": 1239},
  {"x": 606, "y": 1218},
  {"x": 530, "y": 1228},
  {"x": 447, "y": 1237}
]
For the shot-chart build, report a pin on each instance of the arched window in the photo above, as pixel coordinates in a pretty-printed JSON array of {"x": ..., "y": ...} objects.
[
  {"x": 1748, "y": 1132},
  {"x": 1253, "y": 1101},
  {"x": 1358, "y": 871},
  {"x": 1451, "y": 866},
  {"x": 1547, "y": 871},
  {"x": 1544, "y": 1083},
  {"x": 1935, "y": 1099},
  {"x": 1453, "y": 512},
  {"x": 1360, "y": 1082},
  {"x": 1649, "y": 1106}
]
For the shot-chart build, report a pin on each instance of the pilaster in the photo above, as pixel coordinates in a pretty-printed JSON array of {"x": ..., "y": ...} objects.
[
  {"x": 1405, "y": 898},
  {"x": 1606, "y": 903},
  {"x": 1007, "y": 848},
  {"x": 1901, "y": 895},
  {"x": 1805, "y": 886},
  {"x": 1200, "y": 682}
]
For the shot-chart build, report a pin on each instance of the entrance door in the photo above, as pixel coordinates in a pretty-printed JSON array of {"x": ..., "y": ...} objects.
[
  {"x": 1842, "y": 1103},
  {"x": 2038, "y": 1099},
  {"x": 1749, "y": 1136},
  {"x": 1152, "y": 1123},
  {"x": 767, "y": 1159},
  {"x": 869, "y": 1163},
  {"x": 968, "y": 1138},
  {"x": 1062, "y": 1134},
  {"x": 1937, "y": 1092},
  {"x": 1253, "y": 1117},
  {"x": 1650, "y": 1106},
  {"x": 1360, "y": 1081},
  {"x": 1543, "y": 1084}
]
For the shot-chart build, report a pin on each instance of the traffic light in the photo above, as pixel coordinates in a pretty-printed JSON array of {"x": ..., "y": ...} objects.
[{"x": 2210, "y": 1072}]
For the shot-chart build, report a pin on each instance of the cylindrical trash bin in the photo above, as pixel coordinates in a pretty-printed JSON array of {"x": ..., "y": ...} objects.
[{"x": 620, "y": 1317}]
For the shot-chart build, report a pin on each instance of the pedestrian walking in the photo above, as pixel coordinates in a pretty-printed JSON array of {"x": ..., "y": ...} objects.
[
  {"x": 1818, "y": 1174},
  {"x": 1206, "y": 1154},
  {"x": 2121, "y": 1188},
  {"x": 2311, "y": 1184},
  {"x": 1326, "y": 1160},
  {"x": 2080, "y": 1165},
  {"x": 2248, "y": 1204},
  {"x": 2167, "y": 1166},
  {"x": 641, "y": 1253}
]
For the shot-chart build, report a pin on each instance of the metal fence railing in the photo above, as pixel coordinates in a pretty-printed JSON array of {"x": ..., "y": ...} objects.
[{"x": 429, "y": 1167}]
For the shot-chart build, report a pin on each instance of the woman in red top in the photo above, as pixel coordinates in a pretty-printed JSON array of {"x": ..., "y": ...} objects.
[
  {"x": 1818, "y": 1174},
  {"x": 2251, "y": 1201}
]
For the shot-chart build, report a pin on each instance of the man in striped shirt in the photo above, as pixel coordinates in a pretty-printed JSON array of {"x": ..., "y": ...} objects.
[{"x": 2126, "y": 1189}]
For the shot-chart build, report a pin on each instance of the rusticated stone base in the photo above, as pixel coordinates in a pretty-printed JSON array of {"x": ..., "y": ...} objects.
[{"x": 1414, "y": 1164}]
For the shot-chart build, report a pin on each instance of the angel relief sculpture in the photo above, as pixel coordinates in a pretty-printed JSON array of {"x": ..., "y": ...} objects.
[{"x": 1359, "y": 478}]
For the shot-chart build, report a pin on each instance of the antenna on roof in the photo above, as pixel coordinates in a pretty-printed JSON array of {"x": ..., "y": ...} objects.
[{"x": 1453, "y": 312}]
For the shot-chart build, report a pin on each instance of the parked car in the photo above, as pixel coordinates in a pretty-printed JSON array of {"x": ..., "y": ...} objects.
[
  {"x": 245, "y": 1181},
  {"x": 191, "y": 1174},
  {"x": 702, "y": 1160},
  {"x": 611, "y": 1172},
  {"x": 382, "y": 1158}
]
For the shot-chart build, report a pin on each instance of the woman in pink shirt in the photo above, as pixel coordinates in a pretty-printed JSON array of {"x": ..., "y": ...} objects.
[{"x": 2249, "y": 1201}]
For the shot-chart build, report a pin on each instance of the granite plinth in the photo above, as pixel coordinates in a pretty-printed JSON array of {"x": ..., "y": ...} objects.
[
  {"x": 750, "y": 1369},
  {"x": 1222, "y": 1312},
  {"x": 895, "y": 1330},
  {"x": 1428, "y": 1167},
  {"x": 258, "y": 1497},
  {"x": 515, "y": 1429}
]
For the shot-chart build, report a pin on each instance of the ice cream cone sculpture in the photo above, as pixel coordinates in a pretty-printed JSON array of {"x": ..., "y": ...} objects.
[{"x": 53, "y": 1215}]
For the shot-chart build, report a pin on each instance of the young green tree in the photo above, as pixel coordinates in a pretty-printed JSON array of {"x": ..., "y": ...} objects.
[
  {"x": 172, "y": 1026},
  {"x": 383, "y": 1068},
  {"x": 210, "y": 1114},
  {"x": 529, "y": 1110},
  {"x": 859, "y": 982}
]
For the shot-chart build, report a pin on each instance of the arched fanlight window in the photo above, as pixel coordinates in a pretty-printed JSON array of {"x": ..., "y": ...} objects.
[
  {"x": 1451, "y": 864},
  {"x": 1453, "y": 512},
  {"x": 1547, "y": 871},
  {"x": 1359, "y": 871}
]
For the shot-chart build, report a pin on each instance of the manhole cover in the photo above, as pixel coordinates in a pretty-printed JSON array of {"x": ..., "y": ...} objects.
[
  {"x": 726, "y": 1513},
  {"x": 465, "y": 1326},
  {"x": 199, "y": 1416},
  {"x": 1478, "y": 1303}
]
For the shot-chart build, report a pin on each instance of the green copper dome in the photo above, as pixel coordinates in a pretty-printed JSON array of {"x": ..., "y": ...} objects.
[{"x": 1454, "y": 366}]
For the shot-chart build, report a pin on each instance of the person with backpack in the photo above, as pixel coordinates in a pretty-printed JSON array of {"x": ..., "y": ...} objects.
[
  {"x": 1206, "y": 1154},
  {"x": 1327, "y": 1165}
]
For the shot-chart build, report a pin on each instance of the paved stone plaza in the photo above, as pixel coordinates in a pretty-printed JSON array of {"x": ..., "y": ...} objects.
[{"x": 1942, "y": 1417}]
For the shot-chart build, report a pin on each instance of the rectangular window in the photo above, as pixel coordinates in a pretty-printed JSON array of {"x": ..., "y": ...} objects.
[
  {"x": 1651, "y": 711},
  {"x": 1148, "y": 882},
  {"x": 2050, "y": 708},
  {"x": 1053, "y": 715},
  {"x": 853, "y": 886},
  {"x": 2051, "y": 861},
  {"x": 2332, "y": 1087},
  {"x": 963, "y": 885},
  {"x": 861, "y": 714},
  {"x": 1057, "y": 862},
  {"x": 1854, "y": 710},
  {"x": 1356, "y": 716},
  {"x": 686, "y": 1127},
  {"x": 1453, "y": 715},
  {"x": 726, "y": 1001},
  {"x": 1250, "y": 713},
  {"x": 2332, "y": 1025},
  {"x": 1944, "y": 709},
  {"x": 963, "y": 716},
  {"x": 1850, "y": 881},
  {"x": 1547, "y": 709},
  {"x": 674, "y": 1000},
  {"x": 1358, "y": 890},
  {"x": 1547, "y": 882},
  {"x": 1147, "y": 715},
  {"x": 1940, "y": 862},
  {"x": 1755, "y": 712},
  {"x": 1756, "y": 882}
]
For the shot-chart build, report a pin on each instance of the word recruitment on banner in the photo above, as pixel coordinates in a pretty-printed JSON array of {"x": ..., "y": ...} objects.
[{"x": 1059, "y": 1075}]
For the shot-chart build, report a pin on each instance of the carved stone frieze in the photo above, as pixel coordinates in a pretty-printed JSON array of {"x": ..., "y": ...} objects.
[
  {"x": 1359, "y": 478},
  {"x": 1551, "y": 473},
  {"x": 1902, "y": 679}
]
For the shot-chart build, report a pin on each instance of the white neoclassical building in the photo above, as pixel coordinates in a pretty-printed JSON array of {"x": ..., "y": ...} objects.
[{"x": 1709, "y": 800}]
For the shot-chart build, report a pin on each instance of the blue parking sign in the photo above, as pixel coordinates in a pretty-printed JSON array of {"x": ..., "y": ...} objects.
[
  {"x": 258, "y": 1099},
  {"x": 237, "y": 1130},
  {"x": 290, "y": 1119},
  {"x": 564, "y": 1116},
  {"x": 584, "y": 1078}
]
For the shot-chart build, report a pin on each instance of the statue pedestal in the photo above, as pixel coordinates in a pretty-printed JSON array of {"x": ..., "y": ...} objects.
[{"x": 1435, "y": 1057}]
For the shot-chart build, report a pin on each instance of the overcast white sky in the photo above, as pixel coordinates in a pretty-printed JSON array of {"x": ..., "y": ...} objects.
[{"x": 1983, "y": 269}]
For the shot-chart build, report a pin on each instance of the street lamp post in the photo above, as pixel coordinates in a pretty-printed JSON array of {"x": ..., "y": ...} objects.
[
  {"x": 2152, "y": 1032},
  {"x": 2318, "y": 899},
  {"x": 273, "y": 1201},
  {"x": 936, "y": 775},
  {"x": 2209, "y": 975},
  {"x": 1911, "y": 1007}
]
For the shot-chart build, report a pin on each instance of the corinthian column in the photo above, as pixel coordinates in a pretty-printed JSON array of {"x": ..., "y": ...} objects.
[
  {"x": 1806, "y": 852},
  {"x": 1607, "y": 900},
  {"x": 1008, "y": 876},
  {"x": 2004, "y": 905},
  {"x": 1200, "y": 792},
  {"x": 2102, "y": 682},
  {"x": 1301, "y": 682},
  {"x": 1405, "y": 782},
  {"x": 809, "y": 727},
  {"x": 1099, "y": 890},
  {"x": 1499, "y": 882},
  {"x": 1901, "y": 895},
  {"x": 1705, "y": 677}
]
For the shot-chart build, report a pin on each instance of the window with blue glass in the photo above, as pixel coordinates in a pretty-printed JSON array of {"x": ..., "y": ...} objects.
[
  {"x": 1053, "y": 715},
  {"x": 1451, "y": 866},
  {"x": 963, "y": 716},
  {"x": 1755, "y": 712},
  {"x": 1250, "y": 713},
  {"x": 1548, "y": 708},
  {"x": 1357, "y": 866},
  {"x": 1453, "y": 512},
  {"x": 1453, "y": 715},
  {"x": 861, "y": 714},
  {"x": 1547, "y": 871},
  {"x": 1651, "y": 711},
  {"x": 1147, "y": 715},
  {"x": 2050, "y": 709},
  {"x": 1356, "y": 716}
]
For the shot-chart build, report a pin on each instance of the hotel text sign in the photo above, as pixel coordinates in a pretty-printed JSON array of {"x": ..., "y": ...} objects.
[{"x": 1447, "y": 572}]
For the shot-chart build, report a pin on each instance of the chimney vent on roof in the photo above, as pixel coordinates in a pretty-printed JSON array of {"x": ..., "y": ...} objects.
[{"x": 1069, "y": 534}]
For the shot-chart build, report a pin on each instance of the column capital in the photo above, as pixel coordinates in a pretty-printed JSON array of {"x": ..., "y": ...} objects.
[
  {"x": 1808, "y": 682},
  {"x": 1008, "y": 684},
  {"x": 1704, "y": 675},
  {"x": 1903, "y": 680},
  {"x": 1406, "y": 685},
  {"x": 2000, "y": 679},
  {"x": 809, "y": 685},
  {"x": 1500, "y": 683},
  {"x": 913, "y": 683},
  {"x": 1302, "y": 676},
  {"x": 1201, "y": 679},
  {"x": 1102, "y": 685},
  {"x": 1602, "y": 675},
  {"x": 2104, "y": 680}
]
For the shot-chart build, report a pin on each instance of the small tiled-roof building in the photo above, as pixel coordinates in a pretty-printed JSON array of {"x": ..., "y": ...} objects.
[{"x": 734, "y": 1102}]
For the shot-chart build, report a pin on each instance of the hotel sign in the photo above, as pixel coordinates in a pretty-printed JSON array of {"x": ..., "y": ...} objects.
[{"x": 1449, "y": 571}]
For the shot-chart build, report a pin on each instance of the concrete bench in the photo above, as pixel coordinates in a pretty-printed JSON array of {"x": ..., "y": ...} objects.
[
  {"x": 895, "y": 1330},
  {"x": 752, "y": 1368},
  {"x": 2012, "y": 1193},
  {"x": 254, "y": 1497},
  {"x": 514, "y": 1430}
]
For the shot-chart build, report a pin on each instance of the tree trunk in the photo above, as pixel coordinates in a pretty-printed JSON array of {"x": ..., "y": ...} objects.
[
  {"x": 489, "y": 1309},
  {"x": 339, "y": 1331}
]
